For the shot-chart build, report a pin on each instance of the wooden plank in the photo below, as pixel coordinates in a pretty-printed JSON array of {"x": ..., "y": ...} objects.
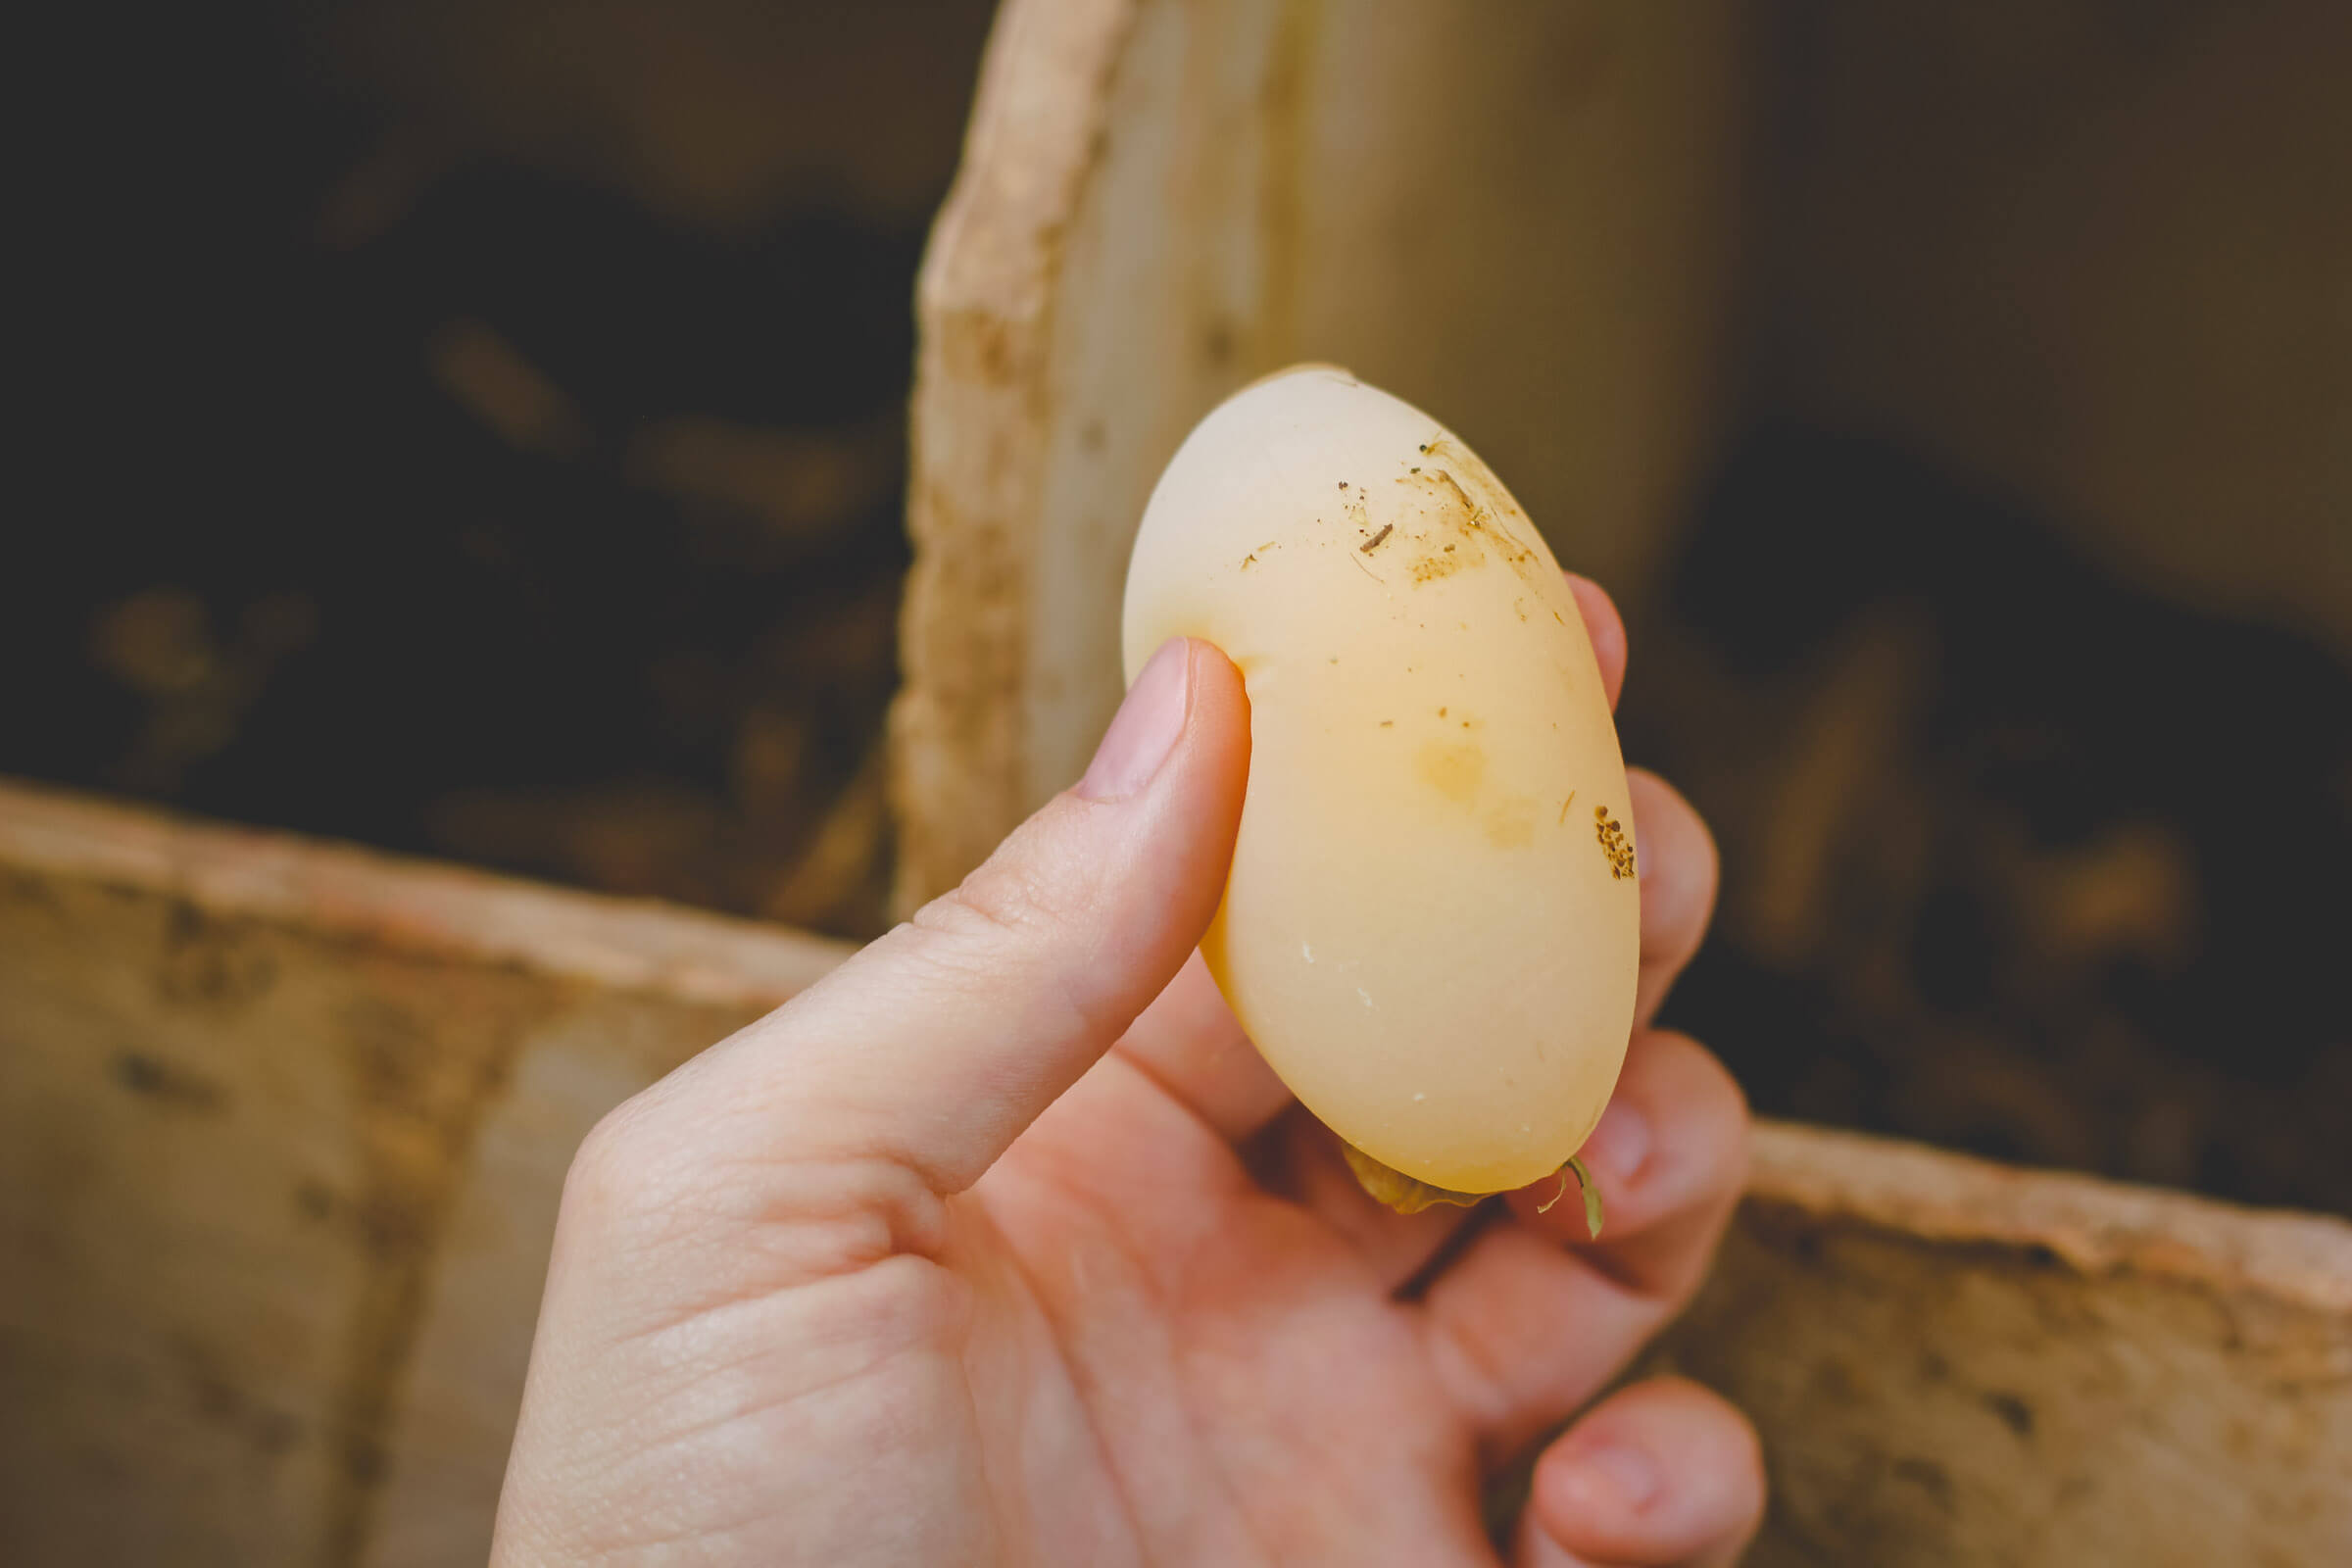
[
  {"x": 978, "y": 427},
  {"x": 283, "y": 1127},
  {"x": 282, "y": 1130},
  {"x": 1958, "y": 1362}
]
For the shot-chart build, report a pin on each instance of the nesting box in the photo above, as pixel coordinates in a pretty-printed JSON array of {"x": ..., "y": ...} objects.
[{"x": 283, "y": 1126}]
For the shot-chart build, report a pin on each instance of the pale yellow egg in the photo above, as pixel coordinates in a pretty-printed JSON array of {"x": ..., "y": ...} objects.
[{"x": 1432, "y": 925}]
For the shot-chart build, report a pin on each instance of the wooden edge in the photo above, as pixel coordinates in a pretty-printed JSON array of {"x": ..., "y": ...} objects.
[
  {"x": 389, "y": 902},
  {"x": 975, "y": 432},
  {"x": 2094, "y": 1226},
  {"x": 1035, "y": 130}
]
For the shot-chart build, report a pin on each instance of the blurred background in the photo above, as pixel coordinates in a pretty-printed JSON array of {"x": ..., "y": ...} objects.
[{"x": 478, "y": 430}]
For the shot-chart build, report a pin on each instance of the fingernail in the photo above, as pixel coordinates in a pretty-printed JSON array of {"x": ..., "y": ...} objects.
[
  {"x": 1144, "y": 732},
  {"x": 1610, "y": 1480},
  {"x": 1620, "y": 1146}
]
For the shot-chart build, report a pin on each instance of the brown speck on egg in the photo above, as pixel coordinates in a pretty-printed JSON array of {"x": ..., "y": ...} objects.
[{"x": 1613, "y": 843}]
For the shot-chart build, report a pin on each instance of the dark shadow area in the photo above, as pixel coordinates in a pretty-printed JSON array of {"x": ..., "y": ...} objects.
[
  {"x": 455, "y": 504},
  {"x": 2019, "y": 859}
]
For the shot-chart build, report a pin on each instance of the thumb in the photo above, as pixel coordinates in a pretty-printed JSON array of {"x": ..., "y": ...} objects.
[{"x": 936, "y": 1044}]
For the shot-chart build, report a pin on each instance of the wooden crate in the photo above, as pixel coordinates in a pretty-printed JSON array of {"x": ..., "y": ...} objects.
[
  {"x": 1525, "y": 215},
  {"x": 282, "y": 1131},
  {"x": 283, "y": 1126}
]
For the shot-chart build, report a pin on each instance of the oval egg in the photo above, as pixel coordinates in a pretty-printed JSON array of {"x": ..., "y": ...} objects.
[{"x": 1430, "y": 928}]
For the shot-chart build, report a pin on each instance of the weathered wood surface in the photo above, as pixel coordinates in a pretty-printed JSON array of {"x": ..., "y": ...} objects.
[
  {"x": 1954, "y": 1362},
  {"x": 283, "y": 1126},
  {"x": 282, "y": 1129},
  {"x": 1516, "y": 211}
]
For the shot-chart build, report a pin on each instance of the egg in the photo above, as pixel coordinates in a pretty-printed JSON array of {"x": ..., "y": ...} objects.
[{"x": 1431, "y": 926}]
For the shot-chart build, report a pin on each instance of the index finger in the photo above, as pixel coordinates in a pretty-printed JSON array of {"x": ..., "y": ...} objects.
[
  {"x": 1670, "y": 1155},
  {"x": 1532, "y": 1320},
  {"x": 1189, "y": 1043},
  {"x": 1606, "y": 629}
]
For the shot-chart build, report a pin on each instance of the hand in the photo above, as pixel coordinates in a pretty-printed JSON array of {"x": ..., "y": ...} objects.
[{"x": 1003, "y": 1245}]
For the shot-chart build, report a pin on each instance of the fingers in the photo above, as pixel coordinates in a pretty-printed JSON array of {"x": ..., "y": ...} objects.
[
  {"x": 1670, "y": 1155},
  {"x": 1520, "y": 1333},
  {"x": 931, "y": 1050},
  {"x": 1677, "y": 860},
  {"x": 1661, "y": 1473},
  {"x": 1531, "y": 1321},
  {"x": 1606, "y": 629},
  {"x": 1394, "y": 1247},
  {"x": 1677, "y": 865},
  {"x": 1190, "y": 1043}
]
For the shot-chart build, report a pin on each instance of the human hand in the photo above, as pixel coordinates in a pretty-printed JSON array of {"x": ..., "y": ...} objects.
[{"x": 1003, "y": 1245}]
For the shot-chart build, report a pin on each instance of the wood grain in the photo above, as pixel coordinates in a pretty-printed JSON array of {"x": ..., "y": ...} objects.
[
  {"x": 283, "y": 1127},
  {"x": 282, "y": 1130}
]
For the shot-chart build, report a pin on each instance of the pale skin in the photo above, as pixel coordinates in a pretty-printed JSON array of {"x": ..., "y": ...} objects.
[{"x": 1003, "y": 1245}]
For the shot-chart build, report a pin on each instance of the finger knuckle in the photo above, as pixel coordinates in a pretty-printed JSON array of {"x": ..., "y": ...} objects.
[
  {"x": 617, "y": 1170},
  {"x": 1704, "y": 1084},
  {"x": 1011, "y": 914},
  {"x": 1734, "y": 1448},
  {"x": 995, "y": 900},
  {"x": 1739, "y": 1461},
  {"x": 1680, "y": 873}
]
